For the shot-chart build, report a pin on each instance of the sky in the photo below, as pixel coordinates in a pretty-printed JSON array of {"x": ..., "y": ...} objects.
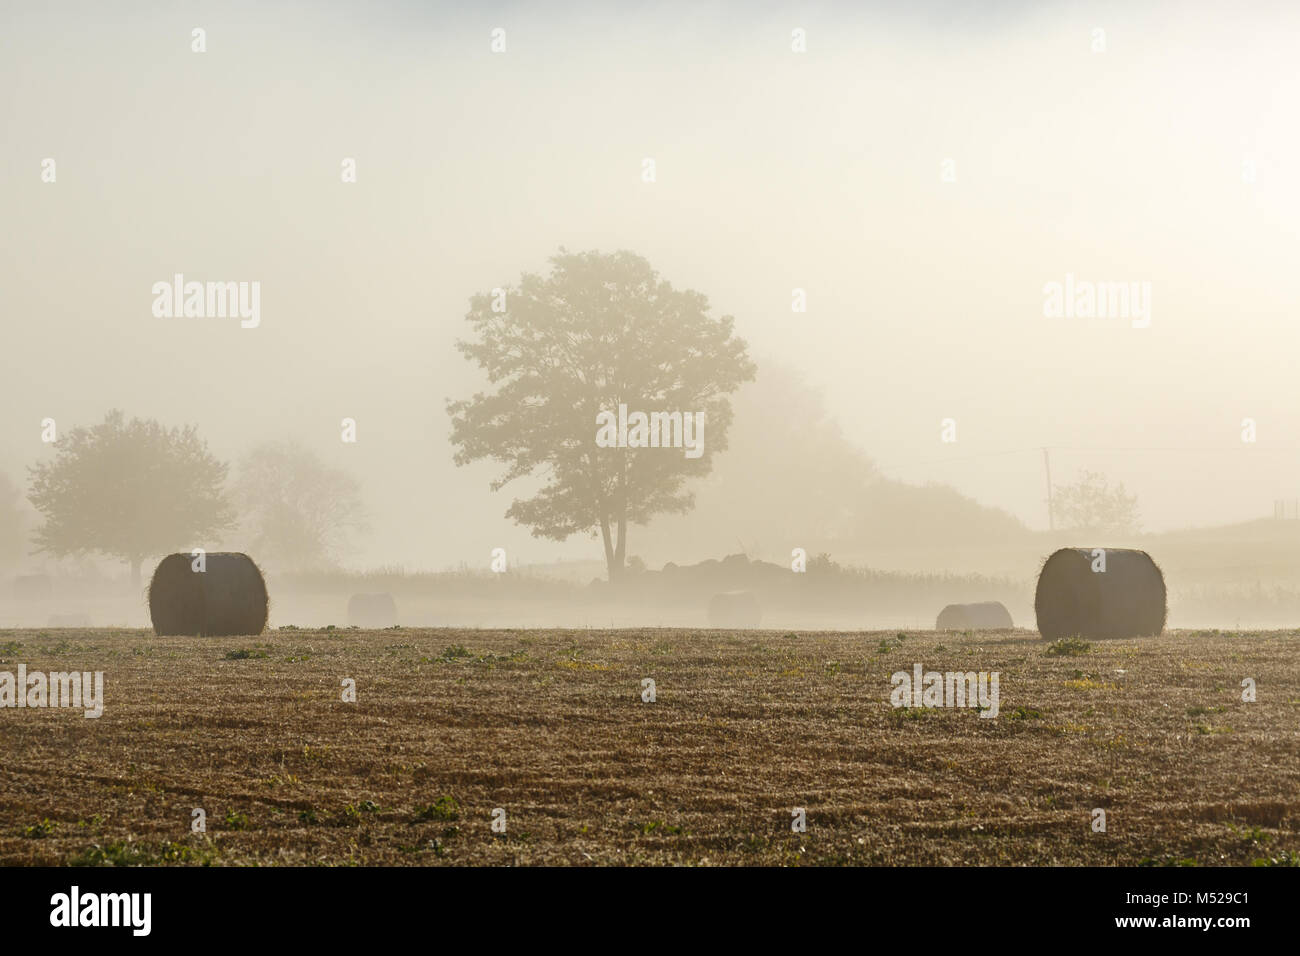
[{"x": 1168, "y": 158}]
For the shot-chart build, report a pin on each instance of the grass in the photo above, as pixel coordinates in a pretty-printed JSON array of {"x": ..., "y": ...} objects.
[
  {"x": 129, "y": 853},
  {"x": 39, "y": 831},
  {"x": 446, "y": 808},
  {"x": 1067, "y": 647},
  {"x": 451, "y": 724}
]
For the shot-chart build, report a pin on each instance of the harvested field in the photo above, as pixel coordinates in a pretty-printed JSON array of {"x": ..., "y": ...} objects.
[{"x": 550, "y": 726}]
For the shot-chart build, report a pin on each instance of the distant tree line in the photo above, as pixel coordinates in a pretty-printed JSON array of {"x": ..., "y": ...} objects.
[
  {"x": 134, "y": 489},
  {"x": 599, "y": 338}
]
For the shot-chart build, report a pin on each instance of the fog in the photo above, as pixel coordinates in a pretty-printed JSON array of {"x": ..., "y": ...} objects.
[{"x": 921, "y": 175}]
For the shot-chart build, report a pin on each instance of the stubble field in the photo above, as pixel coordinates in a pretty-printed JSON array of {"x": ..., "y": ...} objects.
[{"x": 550, "y": 727}]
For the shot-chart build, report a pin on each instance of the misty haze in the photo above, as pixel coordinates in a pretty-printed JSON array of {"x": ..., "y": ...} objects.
[
  {"x": 775, "y": 349},
  {"x": 890, "y": 262}
]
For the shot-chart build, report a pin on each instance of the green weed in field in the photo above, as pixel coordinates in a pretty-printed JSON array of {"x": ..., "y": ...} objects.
[
  {"x": 1068, "y": 647},
  {"x": 446, "y": 808},
  {"x": 39, "y": 831}
]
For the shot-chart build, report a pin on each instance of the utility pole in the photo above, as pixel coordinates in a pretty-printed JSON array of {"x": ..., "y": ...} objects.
[{"x": 1047, "y": 466}]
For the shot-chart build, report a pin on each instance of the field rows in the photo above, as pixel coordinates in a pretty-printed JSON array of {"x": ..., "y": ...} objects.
[{"x": 550, "y": 727}]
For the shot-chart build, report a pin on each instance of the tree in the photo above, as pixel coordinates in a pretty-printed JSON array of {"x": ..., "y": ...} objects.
[
  {"x": 300, "y": 511},
  {"x": 600, "y": 332},
  {"x": 129, "y": 490},
  {"x": 1090, "y": 503}
]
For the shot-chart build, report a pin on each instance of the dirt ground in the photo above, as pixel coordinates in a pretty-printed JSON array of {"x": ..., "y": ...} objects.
[{"x": 550, "y": 727}]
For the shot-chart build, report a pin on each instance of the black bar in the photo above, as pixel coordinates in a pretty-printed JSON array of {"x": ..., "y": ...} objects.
[{"x": 326, "y": 905}]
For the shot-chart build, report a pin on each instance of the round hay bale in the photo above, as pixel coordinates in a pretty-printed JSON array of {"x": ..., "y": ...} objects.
[
  {"x": 983, "y": 616},
  {"x": 1128, "y": 599},
  {"x": 228, "y": 598},
  {"x": 372, "y": 610},
  {"x": 735, "y": 609}
]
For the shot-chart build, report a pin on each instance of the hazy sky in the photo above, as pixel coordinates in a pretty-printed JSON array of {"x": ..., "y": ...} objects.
[{"x": 775, "y": 170}]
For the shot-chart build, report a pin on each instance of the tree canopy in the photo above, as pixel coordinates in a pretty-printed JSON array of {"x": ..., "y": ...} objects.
[
  {"x": 1091, "y": 503},
  {"x": 129, "y": 489},
  {"x": 299, "y": 511},
  {"x": 597, "y": 333}
]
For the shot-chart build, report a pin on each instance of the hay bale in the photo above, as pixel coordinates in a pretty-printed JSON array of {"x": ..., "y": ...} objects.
[
  {"x": 735, "y": 609},
  {"x": 227, "y": 599},
  {"x": 1126, "y": 600},
  {"x": 372, "y": 610},
  {"x": 983, "y": 616}
]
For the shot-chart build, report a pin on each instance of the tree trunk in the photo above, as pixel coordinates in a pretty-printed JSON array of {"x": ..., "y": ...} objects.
[
  {"x": 620, "y": 551},
  {"x": 617, "y": 559},
  {"x": 611, "y": 570}
]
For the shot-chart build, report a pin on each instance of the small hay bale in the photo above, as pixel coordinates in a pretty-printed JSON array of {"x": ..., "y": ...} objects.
[
  {"x": 1128, "y": 599},
  {"x": 372, "y": 611},
  {"x": 735, "y": 609},
  {"x": 982, "y": 616},
  {"x": 227, "y": 599}
]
